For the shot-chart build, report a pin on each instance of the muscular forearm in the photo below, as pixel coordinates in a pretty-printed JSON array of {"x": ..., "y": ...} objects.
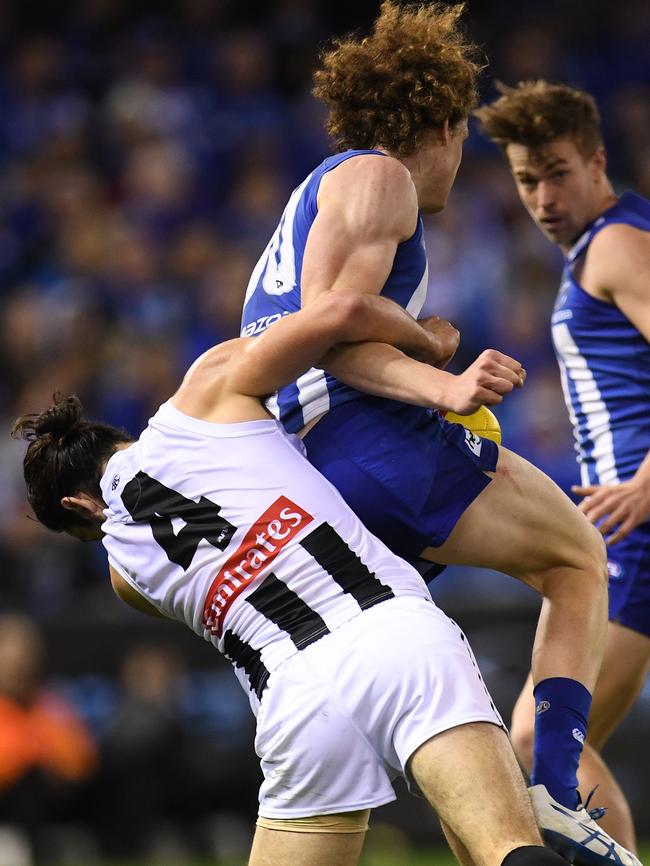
[
  {"x": 384, "y": 371},
  {"x": 378, "y": 319}
]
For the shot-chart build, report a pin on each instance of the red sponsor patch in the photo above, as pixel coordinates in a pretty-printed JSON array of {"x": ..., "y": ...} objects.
[{"x": 272, "y": 531}]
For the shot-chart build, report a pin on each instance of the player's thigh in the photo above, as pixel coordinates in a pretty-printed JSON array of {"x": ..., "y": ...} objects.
[
  {"x": 282, "y": 848},
  {"x": 622, "y": 676},
  {"x": 470, "y": 771},
  {"x": 521, "y": 524}
]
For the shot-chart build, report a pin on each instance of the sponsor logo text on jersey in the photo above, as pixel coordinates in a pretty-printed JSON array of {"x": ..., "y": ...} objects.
[
  {"x": 260, "y": 325},
  {"x": 272, "y": 531}
]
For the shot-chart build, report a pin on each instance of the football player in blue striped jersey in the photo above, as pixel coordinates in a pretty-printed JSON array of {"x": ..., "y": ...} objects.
[
  {"x": 398, "y": 101},
  {"x": 551, "y": 136}
]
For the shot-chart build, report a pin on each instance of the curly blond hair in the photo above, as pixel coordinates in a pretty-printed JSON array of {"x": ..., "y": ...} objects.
[
  {"x": 412, "y": 73},
  {"x": 536, "y": 113}
]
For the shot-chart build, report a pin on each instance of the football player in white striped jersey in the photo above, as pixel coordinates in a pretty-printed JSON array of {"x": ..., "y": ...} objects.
[{"x": 213, "y": 517}]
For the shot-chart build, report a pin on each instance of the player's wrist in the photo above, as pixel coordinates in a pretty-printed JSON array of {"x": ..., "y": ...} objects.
[{"x": 442, "y": 390}]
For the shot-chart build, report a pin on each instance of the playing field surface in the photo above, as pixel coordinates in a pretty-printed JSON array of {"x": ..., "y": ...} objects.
[{"x": 372, "y": 857}]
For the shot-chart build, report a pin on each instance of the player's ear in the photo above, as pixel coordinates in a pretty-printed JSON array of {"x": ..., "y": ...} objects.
[
  {"x": 440, "y": 135},
  {"x": 83, "y": 505},
  {"x": 599, "y": 162}
]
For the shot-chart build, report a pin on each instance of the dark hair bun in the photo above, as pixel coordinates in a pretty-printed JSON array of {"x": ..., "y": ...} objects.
[
  {"x": 60, "y": 418},
  {"x": 66, "y": 454},
  {"x": 57, "y": 421}
]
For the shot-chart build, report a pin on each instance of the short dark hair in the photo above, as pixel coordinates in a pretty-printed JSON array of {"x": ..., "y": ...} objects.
[
  {"x": 536, "y": 113},
  {"x": 412, "y": 73},
  {"x": 64, "y": 457}
]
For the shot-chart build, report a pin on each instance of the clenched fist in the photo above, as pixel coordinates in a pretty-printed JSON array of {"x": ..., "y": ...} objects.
[{"x": 484, "y": 383}]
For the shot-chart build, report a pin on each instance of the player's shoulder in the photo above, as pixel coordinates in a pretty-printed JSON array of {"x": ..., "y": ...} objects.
[
  {"x": 620, "y": 246},
  {"x": 208, "y": 373},
  {"x": 377, "y": 171},
  {"x": 618, "y": 261},
  {"x": 211, "y": 390},
  {"x": 214, "y": 359},
  {"x": 613, "y": 233},
  {"x": 372, "y": 190}
]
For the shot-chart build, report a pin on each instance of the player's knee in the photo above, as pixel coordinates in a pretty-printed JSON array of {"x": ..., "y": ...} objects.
[
  {"x": 586, "y": 556},
  {"x": 587, "y": 545},
  {"x": 533, "y": 855},
  {"x": 595, "y": 563}
]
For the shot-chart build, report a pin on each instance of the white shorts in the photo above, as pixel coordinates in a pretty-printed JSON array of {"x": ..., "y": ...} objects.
[{"x": 341, "y": 718}]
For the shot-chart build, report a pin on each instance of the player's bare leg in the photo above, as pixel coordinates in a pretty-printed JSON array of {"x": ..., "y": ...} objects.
[
  {"x": 283, "y": 848},
  {"x": 592, "y": 771},
  {"x": 471, "y": 778},
  {"x": 522, "y": 524},
  {"x": 623, "y": 673},
  {"x": 617, "y": 821},
  {"x": 459, "y": 851},
  {"x": 453, "y": 770}
]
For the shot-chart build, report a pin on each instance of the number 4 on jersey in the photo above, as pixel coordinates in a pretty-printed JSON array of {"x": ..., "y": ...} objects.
[{"x": 149, "y": 500}]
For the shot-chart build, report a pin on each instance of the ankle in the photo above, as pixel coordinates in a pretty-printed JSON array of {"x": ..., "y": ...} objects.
[
  {"x": 561, "y": 710},
  {"x": 533, "y": 855}
]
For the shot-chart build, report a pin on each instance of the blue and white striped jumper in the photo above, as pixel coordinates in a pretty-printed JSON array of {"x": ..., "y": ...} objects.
[{"x": 274, "y": 291}]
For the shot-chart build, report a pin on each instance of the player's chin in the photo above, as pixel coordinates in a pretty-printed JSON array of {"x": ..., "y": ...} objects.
[{"x": 557, "y": 234}]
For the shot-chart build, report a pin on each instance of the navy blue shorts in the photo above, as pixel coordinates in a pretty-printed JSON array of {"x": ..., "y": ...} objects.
[
  {"x": 628, "y": 563},
  {"x": 406, "y": 473}
]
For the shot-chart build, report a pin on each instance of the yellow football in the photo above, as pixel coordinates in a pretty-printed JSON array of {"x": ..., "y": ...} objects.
[{"x": 483, "y": 422}]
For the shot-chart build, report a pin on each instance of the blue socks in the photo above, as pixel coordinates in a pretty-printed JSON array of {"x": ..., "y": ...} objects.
[{"x": 561, "y": 712}]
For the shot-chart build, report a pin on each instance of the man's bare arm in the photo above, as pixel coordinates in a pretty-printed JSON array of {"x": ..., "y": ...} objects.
[
  {"x": 485, "y": 382},
  {"x": 225, "y": 384},
  {"x": 258, "y": 366},
  {"x": 618, "y": 270},
  {"x": 366, "y": 207}
]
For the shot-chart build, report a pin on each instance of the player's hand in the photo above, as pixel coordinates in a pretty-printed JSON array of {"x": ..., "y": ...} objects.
[
  {"x": 444, "y": 341},
  {"x": 619, "y": 507},
  {"x": 486, "y": 382}
]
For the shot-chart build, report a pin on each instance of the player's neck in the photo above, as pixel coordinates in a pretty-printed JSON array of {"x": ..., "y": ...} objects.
[
  {"x": 603, "y": 201},
  {"x": 430, "y": 179},
  {"x": 119, "y": 447}
]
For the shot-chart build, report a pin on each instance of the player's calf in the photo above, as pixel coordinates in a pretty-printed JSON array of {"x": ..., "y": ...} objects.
[{"x": 470, "y": 777}]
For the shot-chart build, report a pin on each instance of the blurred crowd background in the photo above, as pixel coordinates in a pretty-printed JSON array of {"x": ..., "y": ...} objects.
[{"x": 146, "y": 153}]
